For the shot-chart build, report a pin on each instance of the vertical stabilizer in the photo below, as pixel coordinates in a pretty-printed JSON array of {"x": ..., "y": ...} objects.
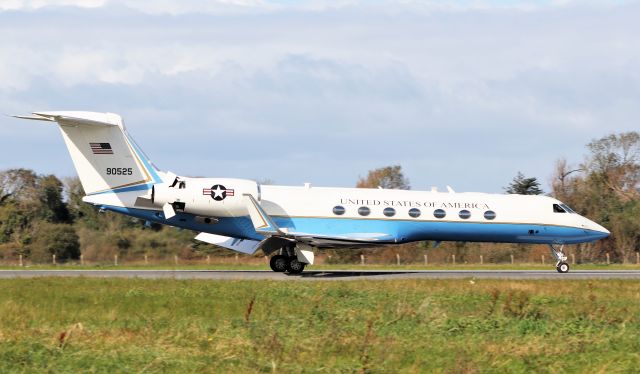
[{"x": 105, "y": 157}]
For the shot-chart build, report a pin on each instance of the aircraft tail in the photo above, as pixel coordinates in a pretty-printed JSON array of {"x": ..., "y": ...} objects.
[{"x": 105, "y": 157}]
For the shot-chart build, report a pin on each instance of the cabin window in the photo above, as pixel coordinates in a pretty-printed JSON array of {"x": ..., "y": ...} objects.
[
  {"x": 489, "y": 215},
  {"x": 338, "y": 210},
  {"x": 558, "y": 209},
  {"x": 464, "y": 214},
  {"x": 439, "y": 213},
  {"x": 566, "y": 208},
  {"x": 389, "y": 212},
  {"x": 414, "y": 212},
  {"x": 364, "y": 211}
]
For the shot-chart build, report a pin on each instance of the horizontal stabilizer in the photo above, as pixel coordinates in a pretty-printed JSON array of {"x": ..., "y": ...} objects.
[
  {"x": 35, "y": 118},
  {"x": 245, "y": 246},
  {"x": 75, "y": 118}
]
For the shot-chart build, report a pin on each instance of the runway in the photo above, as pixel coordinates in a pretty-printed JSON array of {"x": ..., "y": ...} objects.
[{"x": 333, "y": 275}]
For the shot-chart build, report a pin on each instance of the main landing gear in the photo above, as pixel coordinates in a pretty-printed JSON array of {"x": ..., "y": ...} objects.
[
  {"x": 561, "y": 265},
  {"x": 287, "y": 261},
  {"x": 289, "y": 264}
]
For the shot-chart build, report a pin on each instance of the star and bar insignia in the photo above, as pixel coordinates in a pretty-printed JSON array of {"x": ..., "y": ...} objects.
[{"x": 218, "y": 192}]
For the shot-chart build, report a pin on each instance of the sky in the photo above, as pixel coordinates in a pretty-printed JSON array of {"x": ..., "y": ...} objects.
[{"x": 459, "y": 93}]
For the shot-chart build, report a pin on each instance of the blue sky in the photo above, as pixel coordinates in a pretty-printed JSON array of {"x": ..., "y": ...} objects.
[{"x": 460, "y": 93}]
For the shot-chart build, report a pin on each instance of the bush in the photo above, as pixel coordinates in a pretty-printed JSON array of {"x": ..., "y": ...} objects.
[{"x": 53, "y": 238}]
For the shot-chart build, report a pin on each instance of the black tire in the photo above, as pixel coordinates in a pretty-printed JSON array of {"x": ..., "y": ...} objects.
[
  {"x": 294, "y": 266},
  {"x": 562, "y": 267},
  {"x": 279, "y": 263}
]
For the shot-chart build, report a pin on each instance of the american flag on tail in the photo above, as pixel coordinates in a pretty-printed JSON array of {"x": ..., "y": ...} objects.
[{"x": 101, "y": 148}]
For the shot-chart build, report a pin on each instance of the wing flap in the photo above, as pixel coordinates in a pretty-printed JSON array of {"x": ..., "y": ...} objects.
[{"x": 245, "y": 246}]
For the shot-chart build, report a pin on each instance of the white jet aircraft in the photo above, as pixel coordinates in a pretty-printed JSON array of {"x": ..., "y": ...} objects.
[{"x": 290, "y": 222}]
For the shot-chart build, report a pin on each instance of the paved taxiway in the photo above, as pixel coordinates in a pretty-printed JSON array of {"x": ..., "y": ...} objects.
[{"x": 326, "y": 275}]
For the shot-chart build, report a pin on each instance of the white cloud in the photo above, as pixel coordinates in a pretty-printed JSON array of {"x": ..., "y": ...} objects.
[
  {"x": 192, "y": 6},
  {"x": 146, "y": 6},
  {"x": 37, "y": 4},
  {"x": 355, "y": 84},
  {"x": 171, "y": 7}
]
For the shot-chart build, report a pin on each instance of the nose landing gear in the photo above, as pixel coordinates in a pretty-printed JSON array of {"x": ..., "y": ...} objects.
[{"x": 561, "y": 265}]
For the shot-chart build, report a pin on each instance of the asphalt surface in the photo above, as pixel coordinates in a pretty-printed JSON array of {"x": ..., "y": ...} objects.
[{"x": 312, "y": 275}]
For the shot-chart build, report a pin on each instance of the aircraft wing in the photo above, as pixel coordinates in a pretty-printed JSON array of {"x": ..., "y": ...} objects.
[
  {"x": 245, "y": 246},
  {"x": 264, "y": 225},
  {"x": 262, "y": 222},
  {"x": 345, "y": 240}
]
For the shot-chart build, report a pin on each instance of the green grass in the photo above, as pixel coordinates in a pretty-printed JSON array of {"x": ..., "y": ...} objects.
[{"x": 150, "y": 326}]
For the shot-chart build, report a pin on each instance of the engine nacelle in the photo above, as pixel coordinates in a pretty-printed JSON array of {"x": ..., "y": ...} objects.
[{"x": 217, "y": 197}]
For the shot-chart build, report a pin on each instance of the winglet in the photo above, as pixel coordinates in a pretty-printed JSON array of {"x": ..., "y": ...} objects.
[{"x": 262, "y": 223}]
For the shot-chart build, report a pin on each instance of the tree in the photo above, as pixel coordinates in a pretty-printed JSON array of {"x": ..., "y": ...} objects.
[
  {"x": 19, "y": 185},
  {"x": 524, "y": 186},
  {"x": 14, "y": 224},
  {"x": 565, "y": 181},
  {"x": 615, "y": 162},
  {"x": 89, "y": 216},
  {"x": 606, "y": 190},
  {"x": 53, "y": 209},
  {"x": 79, "y": 210},
  {"x": 389, "y": 177},
  {"x": 26, "y": 199},
  {"x": 54, "y": 239}
]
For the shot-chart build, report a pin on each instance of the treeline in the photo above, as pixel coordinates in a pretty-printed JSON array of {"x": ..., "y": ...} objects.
[
  {"x": 605, "y": 187},
  {"x": 41, "y": 215}
]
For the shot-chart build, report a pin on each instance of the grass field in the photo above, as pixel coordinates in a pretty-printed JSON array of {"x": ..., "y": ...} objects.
[{"x": 149, "y": 326}]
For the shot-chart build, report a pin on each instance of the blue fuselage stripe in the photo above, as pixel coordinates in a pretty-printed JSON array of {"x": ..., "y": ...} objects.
[{"x": 393, "y": 231}]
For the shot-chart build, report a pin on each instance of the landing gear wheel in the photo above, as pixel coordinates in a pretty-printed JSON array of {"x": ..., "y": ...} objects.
[
  {"x": 279, "y": 263},
  {"x": 294, "y": 266},
  {"x": 562, "y": 267},
  {"x": 561, "y": 258}
]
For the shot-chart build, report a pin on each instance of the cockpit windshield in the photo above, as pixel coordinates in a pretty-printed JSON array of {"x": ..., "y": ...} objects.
[
  {"x": 562, "y": 208},
  {"x": 558, "y": 209}
]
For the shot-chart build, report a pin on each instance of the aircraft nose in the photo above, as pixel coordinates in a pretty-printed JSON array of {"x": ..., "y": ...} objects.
[{"x": 597, "y": 230}]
